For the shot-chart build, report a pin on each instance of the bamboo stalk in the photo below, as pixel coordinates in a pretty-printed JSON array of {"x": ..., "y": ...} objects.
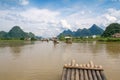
[
  {"x": 64, "y": 74},
  {"x": 89, "y": 71},
  {"x": 103, "y": 75},
  {"x": 73, "y": 74},
  {"x": 98, "y": 75},
  {"x": 94, "y": 75},
  {"x": 85, "y": 74},
  {"x": 73, "y": 62},
  {"x": 77, "y": 74},
  {"x": 68, "y": 74},
  {"x": 90, "y": 75},
  {"x": 81, "y": 75},
  {"x": 79, "y": 67},
  {"x": 91, "y": 64}
]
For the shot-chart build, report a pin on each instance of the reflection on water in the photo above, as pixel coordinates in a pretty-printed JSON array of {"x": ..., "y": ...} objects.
[
  {"x": 44, "y": 60},
  {"x": 14, "y": 43}
]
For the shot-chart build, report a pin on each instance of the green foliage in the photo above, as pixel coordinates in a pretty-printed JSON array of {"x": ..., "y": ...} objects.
[
  {"x": 31, "y": 35},
  {"x": 108, "y": 39},
  {"x": 16, "y": 32},
  {"x": 111, "y": 29},
  {"x": 61, "y": 37},
  {"x": 33, "y": 39},
  {"x": 3, "y": 34}
]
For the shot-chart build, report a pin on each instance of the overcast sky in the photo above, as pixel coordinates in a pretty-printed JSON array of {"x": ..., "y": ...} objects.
[{"x": 50, "y": 17}]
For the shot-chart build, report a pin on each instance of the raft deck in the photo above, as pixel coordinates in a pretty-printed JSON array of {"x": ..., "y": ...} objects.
[{"x": 73, "y": 71}]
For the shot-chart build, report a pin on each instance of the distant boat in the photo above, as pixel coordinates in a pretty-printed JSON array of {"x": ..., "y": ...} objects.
[
  {"x": 56, "y": 41},
  {"x": 68, "y": 39}
]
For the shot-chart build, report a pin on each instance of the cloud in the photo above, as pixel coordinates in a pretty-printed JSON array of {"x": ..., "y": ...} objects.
[
  {"x": 38, "y": 21},
  {"x": 24, "y": 2},
  {"x": 64, "y": 24},
  {"x": 38, "y": 15},
  {"x": 46, "y": 22},
  {"x": 85, "y": 19},
  {"x": 110, "y": 18}
]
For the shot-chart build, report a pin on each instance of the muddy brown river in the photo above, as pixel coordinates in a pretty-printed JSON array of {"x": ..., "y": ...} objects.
[{"x": 44, "y": 60}]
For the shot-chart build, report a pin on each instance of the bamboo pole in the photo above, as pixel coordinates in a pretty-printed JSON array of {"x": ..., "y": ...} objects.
[
  {"x": 73, "y": 74},
  {"x": 98, "y": 75},
  {"x": 89, "y": 73},
  {"x": 85, "y": 74},
  {"x": 77, "y": 74},
  {"x": 94, "y": 75},
  {"x": 103, "y": 75},
  {"x": 93, "y": 71},
  {"x": 79, "y": 67},
  {"x": 68, "y": 74},
  {"x": 91, "y": 64},
  {"x": 73, "y": 62},
  {"x": 64, "y": 74},
  {"x": 81, "y": 75}
]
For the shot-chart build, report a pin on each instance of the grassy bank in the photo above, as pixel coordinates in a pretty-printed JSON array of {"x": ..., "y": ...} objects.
[
  {"x": 109, "y": 39},
  {"x": 94, "y": 39}
]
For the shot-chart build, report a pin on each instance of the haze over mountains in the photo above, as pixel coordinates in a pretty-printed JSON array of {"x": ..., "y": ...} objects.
[{"x": 93, "y": 30}]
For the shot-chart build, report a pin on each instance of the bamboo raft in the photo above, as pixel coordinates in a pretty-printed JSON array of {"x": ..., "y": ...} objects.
[{"x": 73, "y": 71}]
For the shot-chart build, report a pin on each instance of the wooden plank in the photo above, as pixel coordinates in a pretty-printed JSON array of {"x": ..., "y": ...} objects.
[
  {"x": 98, "y": 75},
  {"x": 68, "y": 74},
  {"x": 77, "y": 74},
  {"x": 85, "y": 74},
  {"x": 73, "y": 74},
  {"x": 90, "y": 75},
  {"x": 64, "y": 74},
  {"x": 81, "y": 75},
  {"x": 103, "y": 75}
]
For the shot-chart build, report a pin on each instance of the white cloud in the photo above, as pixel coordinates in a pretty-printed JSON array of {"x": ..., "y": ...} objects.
[
  {"x": 45, "y": 22},
  {"x": 84, "y": 19},
  {"x": 38, "y": 15},
  {"x": 110, "y": 18},
  {"x": 38, "y": 21},
  {"x": 24, "y": 2},
  {"x": 64, "y": 24}
]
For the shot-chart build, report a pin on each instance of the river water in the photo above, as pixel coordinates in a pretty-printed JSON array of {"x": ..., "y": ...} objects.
[{"x": 44, "y": 60}]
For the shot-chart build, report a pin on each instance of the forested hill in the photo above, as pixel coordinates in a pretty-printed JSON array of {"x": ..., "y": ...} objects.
[
  {"x": 111, "y": 29},
  {"x": 16, "y": 33}
]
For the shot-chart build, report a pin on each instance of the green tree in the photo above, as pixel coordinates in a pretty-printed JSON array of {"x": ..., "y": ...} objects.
[
  {"x": 17, "y": 33},
  {"x": 3, "y": 34},
  {"x": 111, "y": 29},
  {"x": 61, "y": 37}
]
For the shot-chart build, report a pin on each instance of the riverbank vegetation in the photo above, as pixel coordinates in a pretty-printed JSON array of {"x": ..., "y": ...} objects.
[
  {"x": 111, "y": 33},
  {"x": 99, "y": 38}
]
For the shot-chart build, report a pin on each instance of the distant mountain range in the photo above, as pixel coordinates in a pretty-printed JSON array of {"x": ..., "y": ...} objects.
[
  {"x": 93, "y": 30},
  {"x": 16, "y": 33}
]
